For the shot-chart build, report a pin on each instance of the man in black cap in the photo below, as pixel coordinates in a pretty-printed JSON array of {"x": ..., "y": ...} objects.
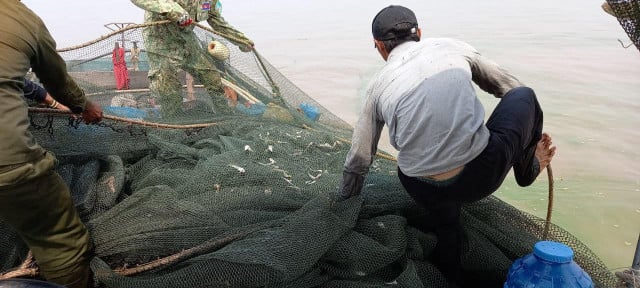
[{"x": 447, "y": 156}]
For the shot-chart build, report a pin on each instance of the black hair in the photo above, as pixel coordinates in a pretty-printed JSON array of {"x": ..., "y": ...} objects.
[{"x": 395, "y": 42}]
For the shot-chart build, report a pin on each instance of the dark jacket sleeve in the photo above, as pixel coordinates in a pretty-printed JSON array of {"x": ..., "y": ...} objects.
[
  {"x": 52, "y": 72},
  {"x": 34, "y": 91}
]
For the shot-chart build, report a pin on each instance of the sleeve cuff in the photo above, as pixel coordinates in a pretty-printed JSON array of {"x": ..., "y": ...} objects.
[{"x": 78, "y": 104}]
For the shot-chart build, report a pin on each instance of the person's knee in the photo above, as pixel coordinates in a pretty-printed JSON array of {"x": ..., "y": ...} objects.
[{"x": 522, "y": 92}]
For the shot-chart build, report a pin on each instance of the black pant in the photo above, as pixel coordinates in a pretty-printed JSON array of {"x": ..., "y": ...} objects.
[{"x": 515, "y": 127}]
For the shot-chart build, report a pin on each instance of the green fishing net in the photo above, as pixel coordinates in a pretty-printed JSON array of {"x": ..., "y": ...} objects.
[{"x": 248, "y": 199}]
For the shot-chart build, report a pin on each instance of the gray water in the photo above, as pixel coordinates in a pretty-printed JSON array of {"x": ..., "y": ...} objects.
[{"x": 568, "y": 51}]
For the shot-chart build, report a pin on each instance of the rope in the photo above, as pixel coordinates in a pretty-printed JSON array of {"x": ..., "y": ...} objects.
[
  {"x": 144, "y": 25},
  {"x": 547, "y": 222},
  {"x": 28, "y": 268},
  {"x": 204, "y": 248},
  {"x": 126, "y": 120},
  {"x": 225, "y": 82},
  {"x": 265, "y": 72},
  {"x": 130, "y": 27}
]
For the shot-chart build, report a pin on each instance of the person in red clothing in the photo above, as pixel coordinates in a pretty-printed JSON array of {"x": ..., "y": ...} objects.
[{"x": 120, "y": 68}]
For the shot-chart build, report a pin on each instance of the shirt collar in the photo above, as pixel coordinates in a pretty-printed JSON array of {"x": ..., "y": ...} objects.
[{"x": 402, "y": 49}]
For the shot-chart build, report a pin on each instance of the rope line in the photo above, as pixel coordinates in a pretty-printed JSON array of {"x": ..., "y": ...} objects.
[
  {"x": 547, "y": 222},
  {"x": 144, "y": 25},
  {"x": 130, "y": 27},
  {"x": 127, "y": 120}
]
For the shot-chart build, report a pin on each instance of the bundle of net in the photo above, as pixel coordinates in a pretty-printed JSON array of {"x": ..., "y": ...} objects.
[{"x": 198, "y": 197}]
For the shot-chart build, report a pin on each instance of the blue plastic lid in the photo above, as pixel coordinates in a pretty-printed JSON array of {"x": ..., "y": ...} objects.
[
  {"x": 553, "y": 252},
  {"x": 27, "y": 283}
]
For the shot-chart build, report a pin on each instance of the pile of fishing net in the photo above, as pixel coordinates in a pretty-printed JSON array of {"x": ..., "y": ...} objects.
[{"x": 249, "y": 199}]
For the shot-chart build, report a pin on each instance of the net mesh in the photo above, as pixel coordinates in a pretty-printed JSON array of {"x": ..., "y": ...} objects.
[
  {"x": 247, "y": 199},
  {"x": 628, "y": 14}
]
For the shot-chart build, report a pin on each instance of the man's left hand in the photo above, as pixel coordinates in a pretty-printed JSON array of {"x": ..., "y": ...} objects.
[
  {"x": 351, "y": 185},
  {"x": 246, "y": 48},
  {"x": 92, "y": 113}
]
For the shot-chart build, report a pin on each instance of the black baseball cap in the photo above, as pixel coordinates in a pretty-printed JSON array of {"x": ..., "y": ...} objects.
[{"x": 394, "y": 22}]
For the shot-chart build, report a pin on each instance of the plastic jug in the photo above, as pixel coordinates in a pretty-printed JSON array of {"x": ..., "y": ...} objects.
[
  {"x": 312, "y": 112},
  {"x": 27, "y": 283},
  {"x": 550, "y": 265}
]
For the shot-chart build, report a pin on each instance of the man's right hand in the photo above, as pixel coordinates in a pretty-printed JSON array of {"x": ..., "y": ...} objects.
[{"x": 92, "y": 113}]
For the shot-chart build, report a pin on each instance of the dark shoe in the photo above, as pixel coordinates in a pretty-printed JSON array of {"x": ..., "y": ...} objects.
[{"x": 527, "y": 169}]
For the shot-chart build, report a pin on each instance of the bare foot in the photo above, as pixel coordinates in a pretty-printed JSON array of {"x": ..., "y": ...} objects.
[{"x": 545, "y": 151}]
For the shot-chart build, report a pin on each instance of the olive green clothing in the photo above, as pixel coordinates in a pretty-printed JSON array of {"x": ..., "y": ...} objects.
[
  {"x": 36, "y": 202},
  {"x": 186, "y": 53},
  {"x": 170, "y": 47},
  {"x": 25, "y": 42},
  {"x": 159, "y": 10}
]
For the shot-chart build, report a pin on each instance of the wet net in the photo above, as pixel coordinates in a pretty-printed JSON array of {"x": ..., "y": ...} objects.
[
  {"x": 628, "y": 14},
  {"x": 200, "y": 198}
]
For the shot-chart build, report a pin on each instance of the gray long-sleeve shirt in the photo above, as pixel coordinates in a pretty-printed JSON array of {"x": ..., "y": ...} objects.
[{"x": 426, "y": 97}]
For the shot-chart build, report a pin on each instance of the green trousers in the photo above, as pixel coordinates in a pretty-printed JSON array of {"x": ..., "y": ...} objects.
[
  {"x": 37, "y": 204},
  {"x": 169, "y": 50}
]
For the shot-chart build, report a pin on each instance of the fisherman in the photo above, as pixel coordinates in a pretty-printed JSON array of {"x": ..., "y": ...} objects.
[
  {"x": 34, "y": 200},
  {"x": 135, "y": 56},
  {"x": 447, "y": 155},
  {"x": 174, "y": 46}
]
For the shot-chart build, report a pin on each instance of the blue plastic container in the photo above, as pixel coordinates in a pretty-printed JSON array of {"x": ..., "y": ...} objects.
[
  {"x": 312, "y": 112},
  {"x": 27, "y": 283},
  {"x": 550, "y": 265}
]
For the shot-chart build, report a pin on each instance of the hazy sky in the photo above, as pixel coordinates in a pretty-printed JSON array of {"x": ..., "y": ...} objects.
[{"x": 73, "y": 22}]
